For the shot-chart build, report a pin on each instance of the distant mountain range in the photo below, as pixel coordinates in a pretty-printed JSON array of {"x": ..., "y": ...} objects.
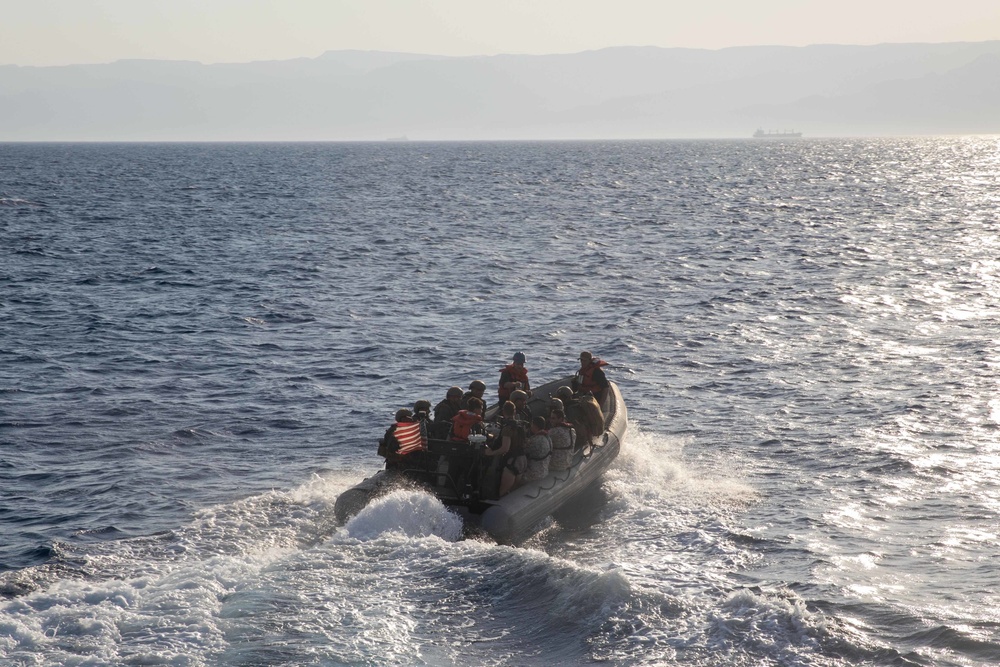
[{"x": 626, "y": 92}]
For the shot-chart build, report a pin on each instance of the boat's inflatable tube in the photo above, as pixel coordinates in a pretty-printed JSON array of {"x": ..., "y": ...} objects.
[
  {"x": 515, "y": 516},
  {"x": 357, "y": 497}
]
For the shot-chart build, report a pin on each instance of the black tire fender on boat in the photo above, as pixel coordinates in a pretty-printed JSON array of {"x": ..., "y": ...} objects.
[{"x": 354, "y": 499}]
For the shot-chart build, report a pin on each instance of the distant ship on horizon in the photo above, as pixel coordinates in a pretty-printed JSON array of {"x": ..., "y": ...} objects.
[{"x": 761, "y": 134}]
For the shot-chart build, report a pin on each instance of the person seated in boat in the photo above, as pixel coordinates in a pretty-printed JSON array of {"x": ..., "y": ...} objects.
[
  {"x": 476, "y": 388},
  {"x": 522, "y": 411},
  {"x": 520, "y": 400},
  {"x": 513, "y": 377},
  {"x": 497, "y": 451},
  {"x": 563, "y": 437},
  {"x": 575, "y": 415},
  {"x": 555, "y": 403},
  {"x": 513, "y": 433},
  {"x": 591, "y": 377},
  {"x": 422, "y": 410},
  {"x": 422, "y": 413},
  {"x": 465, "y": 423},
  {"x": 591, "y": 414},
  {"x": 446, "y": 410},
  {"x": 404, "y": 441},
  {"x": 537, "y": 451},
  {"x": 565, "y": 394}
]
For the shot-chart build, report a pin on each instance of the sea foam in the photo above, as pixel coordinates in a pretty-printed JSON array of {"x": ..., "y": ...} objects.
[{"x": 407, "y": 512}]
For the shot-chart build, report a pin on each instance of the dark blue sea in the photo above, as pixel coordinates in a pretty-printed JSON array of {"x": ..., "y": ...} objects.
[{"x": 200, "y": 345}]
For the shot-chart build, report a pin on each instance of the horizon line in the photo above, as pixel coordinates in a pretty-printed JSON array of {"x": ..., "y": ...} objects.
[
  {"x": 501, "y": 54},
  {"x": 747, "y": 138}
]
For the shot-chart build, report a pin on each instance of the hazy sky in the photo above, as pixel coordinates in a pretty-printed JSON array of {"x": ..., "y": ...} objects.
[{"x": 57, "y": 32}]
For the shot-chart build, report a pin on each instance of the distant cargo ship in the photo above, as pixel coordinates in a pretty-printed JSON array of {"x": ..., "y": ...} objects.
[{"x": 761, "y": 134}]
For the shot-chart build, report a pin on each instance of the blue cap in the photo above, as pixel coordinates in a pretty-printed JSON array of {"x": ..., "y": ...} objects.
[{"x": 519, "y": 357}]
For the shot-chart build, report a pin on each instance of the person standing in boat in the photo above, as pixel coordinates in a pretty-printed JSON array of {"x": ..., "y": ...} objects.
[
  {"x": 563, "y": 438},
  {"x": 513, "y": 376},
  {"x": 591, "y": 377}
]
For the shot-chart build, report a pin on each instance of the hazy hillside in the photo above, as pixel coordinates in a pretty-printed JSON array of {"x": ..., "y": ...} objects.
[{"x": 628, "y": 92}]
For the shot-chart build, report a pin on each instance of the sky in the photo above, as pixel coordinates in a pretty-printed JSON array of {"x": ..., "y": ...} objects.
[{"x": 62, "y": 32}]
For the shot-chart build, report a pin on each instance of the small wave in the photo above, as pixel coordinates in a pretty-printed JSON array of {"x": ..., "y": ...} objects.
[
  {"x": 16, "y": 201},
  {"x": 23, "y": 424},
  {"x": 952, "y": 639},
  {"x": 103, "y": 534},
  {"x": 175, "y": 283},
  {"x": 287, "y": 318},
  {"x": 286, "y": 423},
  {"x": 194, "y": 433},
  {"x": 892, "y": 468}
]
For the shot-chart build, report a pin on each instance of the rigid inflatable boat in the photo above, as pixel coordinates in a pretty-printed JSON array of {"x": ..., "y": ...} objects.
[{"x": 455, "y": 473}]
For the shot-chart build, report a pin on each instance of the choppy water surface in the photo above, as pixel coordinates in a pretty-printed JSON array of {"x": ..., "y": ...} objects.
[{"x": 200, "y": 344}]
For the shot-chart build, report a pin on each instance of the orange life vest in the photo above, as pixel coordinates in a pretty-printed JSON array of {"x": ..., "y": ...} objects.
[
  {"x": 517, "y": 374},
  {"x": 586, "y": 377},
  {"x": 462, "y": 423}
]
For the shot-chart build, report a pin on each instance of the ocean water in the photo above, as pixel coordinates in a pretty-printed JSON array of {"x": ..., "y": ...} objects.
[{"x": 200, "y": 345}]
